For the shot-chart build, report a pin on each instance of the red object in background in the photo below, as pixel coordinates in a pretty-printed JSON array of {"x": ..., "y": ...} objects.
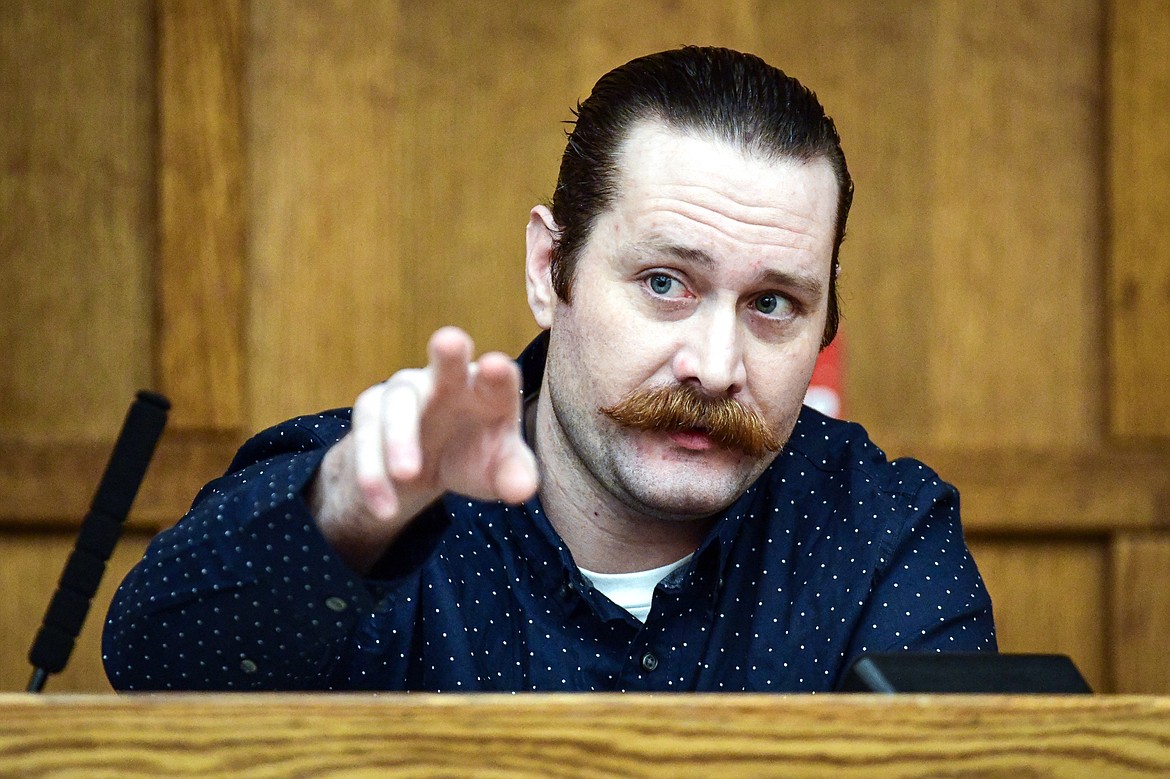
[{"x": 826, "y": 392}]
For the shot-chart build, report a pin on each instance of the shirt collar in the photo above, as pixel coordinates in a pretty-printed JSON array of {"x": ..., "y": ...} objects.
[{"x": 531, "y": 362}]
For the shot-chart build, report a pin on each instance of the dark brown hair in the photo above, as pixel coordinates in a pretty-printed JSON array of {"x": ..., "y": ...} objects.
[{"x": 719, "y": 93}]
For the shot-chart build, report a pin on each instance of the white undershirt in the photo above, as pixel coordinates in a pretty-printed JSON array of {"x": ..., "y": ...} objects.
[{"x": 633, "y": 591}]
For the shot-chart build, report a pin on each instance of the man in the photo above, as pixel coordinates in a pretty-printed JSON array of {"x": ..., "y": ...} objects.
[{"x": 643, "y": 504}]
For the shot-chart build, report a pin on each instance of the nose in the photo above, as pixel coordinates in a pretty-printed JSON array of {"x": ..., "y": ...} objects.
[{"x": 711, "y": 353}]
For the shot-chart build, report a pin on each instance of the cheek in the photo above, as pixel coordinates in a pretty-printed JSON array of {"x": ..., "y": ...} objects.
[
  {"x": 614, "y": 347},
  {"x": 778, "y": 382},
  {"x": 592, "y": 354}
]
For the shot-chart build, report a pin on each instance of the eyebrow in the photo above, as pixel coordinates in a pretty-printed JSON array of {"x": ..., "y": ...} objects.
[{"x": 806, "y": 285}]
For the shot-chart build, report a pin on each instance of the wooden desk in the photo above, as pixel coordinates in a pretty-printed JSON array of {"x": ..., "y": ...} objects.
[{"x": 584, "y": 735}]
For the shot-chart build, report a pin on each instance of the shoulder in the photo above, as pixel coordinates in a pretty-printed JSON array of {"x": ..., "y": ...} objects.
[
  {"x": 825, "y": 449},
  {"x": 832, "y": 481},
  {"x": 303, "y": 434},
  {"x": 830, "y": 474},
  {"x": 297, "y": 446}
]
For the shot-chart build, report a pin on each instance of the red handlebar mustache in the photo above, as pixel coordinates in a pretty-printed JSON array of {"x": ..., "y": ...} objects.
[{"x": 681, "y": 407}]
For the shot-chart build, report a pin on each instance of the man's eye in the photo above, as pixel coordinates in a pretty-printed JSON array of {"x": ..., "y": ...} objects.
[
  {"x": 660, "y": 284},
  {"x": 769, "y": 304}
]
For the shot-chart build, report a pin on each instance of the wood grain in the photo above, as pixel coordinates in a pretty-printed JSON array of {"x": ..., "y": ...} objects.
[
  {"x": 200, "y": 269},
  {"x": 1139, "y": 602},
  {"x": 1139, "y": 211},
  {"x": 1015, "y": 233},
  {"x": 586, "y": 735},
  {"x": 1074, "y": 493},
  {"x": 481, "y": 134},
  {"x": 1050, "y": 596},
  {"x": 76, "y": 211},
  {"x": 50, "y": 486},
  {"x": 612, "y": 32},
  {"x": 328, "y": 287}
]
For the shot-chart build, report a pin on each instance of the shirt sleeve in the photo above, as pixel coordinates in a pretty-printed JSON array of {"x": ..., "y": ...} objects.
[
  {"x": 927, "y": 593},
  {"x": 244, "y": 592}
]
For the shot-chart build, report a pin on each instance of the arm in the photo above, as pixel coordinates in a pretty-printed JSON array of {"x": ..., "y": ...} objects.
[
  {"x": 260, "y": 586},
  {"x": 222, "y": 600},
  {"x": 928, "y": 594}
]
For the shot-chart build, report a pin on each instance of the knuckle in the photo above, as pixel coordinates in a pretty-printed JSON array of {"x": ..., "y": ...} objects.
[
  {"x": 368, "y": 398},
  {"x": 370, "y": 483}
]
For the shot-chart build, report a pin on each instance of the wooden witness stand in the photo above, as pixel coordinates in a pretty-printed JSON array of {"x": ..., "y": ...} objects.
[{"x": 584, "y": 735}]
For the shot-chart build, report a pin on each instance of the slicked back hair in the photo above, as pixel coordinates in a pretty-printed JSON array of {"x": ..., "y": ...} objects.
[{"x": 714, "y": 93}]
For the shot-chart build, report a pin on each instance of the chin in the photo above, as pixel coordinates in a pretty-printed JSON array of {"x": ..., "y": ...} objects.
[
  {"x": 682, "y": 510},
  {"x": 682, "y": 495},
  {"x": 676, "y": 485}
]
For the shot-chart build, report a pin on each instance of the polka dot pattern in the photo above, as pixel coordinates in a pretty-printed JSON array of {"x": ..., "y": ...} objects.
[{"x": 832, "y": 552}]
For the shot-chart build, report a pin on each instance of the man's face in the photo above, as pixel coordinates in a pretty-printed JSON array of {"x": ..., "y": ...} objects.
[{"x": 711, "y": 270}]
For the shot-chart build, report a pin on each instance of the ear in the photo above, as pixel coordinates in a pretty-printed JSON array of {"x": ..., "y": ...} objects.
[{"x": 539, "y": 238}]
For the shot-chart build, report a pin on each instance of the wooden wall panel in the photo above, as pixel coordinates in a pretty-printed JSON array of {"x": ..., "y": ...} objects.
[
  {"x": 1139, "y": 192},
  {"x": 1050, "y": 596},
  {"x": 483, "y": 89},
  {"x": 1016, "y": 234},
  {"x": 199, "y": 274},
  {"x": 328, "y": 285},
  {"x": 1140, "y": 605},
  {"x": 76, "y": 194},
  {"x": 1057, "y": 493},
  {"x": 76, "y": 242},
  {"x": 608, "y": 33},
  {"x": 28, "y": 579},
  {"x": 50, "y": 486}
]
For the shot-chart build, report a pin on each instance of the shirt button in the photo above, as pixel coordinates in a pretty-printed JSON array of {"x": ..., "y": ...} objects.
[
  {"x": 248, "y": 667},
  {"x": 649, "y": 661},
  {"x": 336, "y": 604}
]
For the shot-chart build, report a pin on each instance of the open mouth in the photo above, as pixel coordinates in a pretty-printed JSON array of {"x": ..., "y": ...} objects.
[{"x": 696, "y": 439}]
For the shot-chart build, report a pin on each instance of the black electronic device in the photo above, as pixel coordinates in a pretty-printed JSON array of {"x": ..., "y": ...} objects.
[{"x": 962, "y": 672}]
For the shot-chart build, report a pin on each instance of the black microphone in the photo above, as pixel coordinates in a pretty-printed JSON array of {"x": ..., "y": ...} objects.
[{"x": 100, "y": 531}]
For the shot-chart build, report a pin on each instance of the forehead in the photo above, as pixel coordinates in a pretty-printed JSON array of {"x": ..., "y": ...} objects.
[{"x": 680, "y": 185}]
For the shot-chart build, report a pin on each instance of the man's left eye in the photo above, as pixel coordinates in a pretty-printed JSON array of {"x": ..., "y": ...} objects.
[
  {"x": 660, "y": 284},
  {"x": 768, "y": 304}
]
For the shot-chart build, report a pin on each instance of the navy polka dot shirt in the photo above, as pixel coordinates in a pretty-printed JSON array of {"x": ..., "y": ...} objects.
[{"x": 834, "y": 551}]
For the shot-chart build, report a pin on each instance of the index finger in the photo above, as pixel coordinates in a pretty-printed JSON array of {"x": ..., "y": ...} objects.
[{"x": 449, "y": 353}]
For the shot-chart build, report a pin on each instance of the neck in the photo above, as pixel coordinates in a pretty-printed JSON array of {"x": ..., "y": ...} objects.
[{"x": 604, "y": 534}]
